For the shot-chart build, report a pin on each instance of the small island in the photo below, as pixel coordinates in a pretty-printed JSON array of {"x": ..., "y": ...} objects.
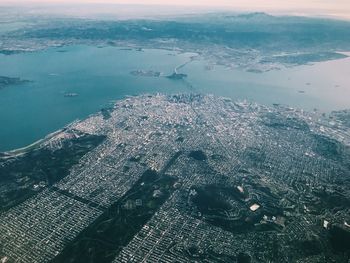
[
  {"x": 177, "y": 76},
  {"x": 7, "y": 81},
  {"x": 146, "y": 73},
  {"x": 70, "y": 94}
]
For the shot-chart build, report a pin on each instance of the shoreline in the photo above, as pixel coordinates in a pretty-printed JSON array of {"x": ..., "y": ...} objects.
[{"x": 24, "y": 149}]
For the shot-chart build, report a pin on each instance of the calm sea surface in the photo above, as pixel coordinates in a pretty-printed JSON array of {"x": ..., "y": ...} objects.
[{"x": 30, "y": 111}]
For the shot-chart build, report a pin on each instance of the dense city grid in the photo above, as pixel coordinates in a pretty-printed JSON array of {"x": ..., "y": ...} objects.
[{"x": 249, "y": 183}]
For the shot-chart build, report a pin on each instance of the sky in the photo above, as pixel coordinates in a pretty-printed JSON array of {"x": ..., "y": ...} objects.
[
  {"x": 278, "y": 4},
  {"x": 337, "y": 8}
]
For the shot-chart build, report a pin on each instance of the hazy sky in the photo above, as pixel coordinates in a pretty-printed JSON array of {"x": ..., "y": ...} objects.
[
  {"x": 339, "y": 8},
  {"x": 300, "y": 4}
]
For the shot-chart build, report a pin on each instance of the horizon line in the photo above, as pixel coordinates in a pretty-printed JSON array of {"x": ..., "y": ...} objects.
[{"x": 317, "y": 12}]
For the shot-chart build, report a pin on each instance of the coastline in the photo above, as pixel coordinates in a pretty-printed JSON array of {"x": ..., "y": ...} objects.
[{"x": 23, "y": 150}]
